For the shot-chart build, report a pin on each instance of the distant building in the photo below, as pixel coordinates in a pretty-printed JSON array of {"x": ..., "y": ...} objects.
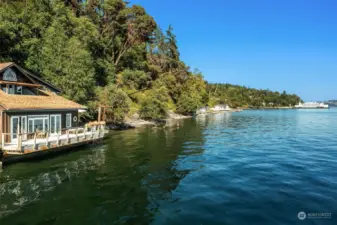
[{"x": 217, "y": 108}]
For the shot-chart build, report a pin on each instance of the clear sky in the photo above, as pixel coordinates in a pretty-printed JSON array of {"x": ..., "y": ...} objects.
[{"x": 281, "y": 45}]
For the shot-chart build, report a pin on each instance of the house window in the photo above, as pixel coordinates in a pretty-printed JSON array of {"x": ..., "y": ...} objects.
[
  {"x": 19, "y": 90},
  {"x": 39, "y": 123},
  {"x": 10, "y": 75},
  {"x": 68, "y": 120},
  {"x": 55, "y": 124},
  {"x": 11, "y": 89}
]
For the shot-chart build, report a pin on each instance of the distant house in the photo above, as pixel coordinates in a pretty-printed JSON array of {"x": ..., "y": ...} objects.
[
  {"x": 31, "y": 104},
  {"x": 220, "y": 108}
]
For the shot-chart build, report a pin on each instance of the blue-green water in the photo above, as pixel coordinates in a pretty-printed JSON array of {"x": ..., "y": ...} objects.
[{"x": 253, "y": 167}]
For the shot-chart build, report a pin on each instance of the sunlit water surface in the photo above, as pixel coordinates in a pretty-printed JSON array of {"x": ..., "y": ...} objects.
[{"x": 253, "y": 167}]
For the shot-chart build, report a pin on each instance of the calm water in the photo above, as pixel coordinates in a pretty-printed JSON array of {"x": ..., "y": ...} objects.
[{"x": 254, "y": 167}]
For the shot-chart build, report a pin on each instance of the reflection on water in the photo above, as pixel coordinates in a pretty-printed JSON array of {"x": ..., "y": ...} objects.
[
  {"x": 253, "y": 167},
  {"x": 19, "y": 192},
  {"x": 123, "y": 181}
]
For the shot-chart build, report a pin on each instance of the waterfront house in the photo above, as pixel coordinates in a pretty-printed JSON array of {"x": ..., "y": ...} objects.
[{"x": 30, "y": 105}]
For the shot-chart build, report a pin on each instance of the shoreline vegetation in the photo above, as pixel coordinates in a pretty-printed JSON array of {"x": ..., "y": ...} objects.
[{"x": 114, "y": 55}]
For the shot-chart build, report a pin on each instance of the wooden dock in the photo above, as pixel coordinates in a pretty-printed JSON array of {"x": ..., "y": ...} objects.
[{"x": 31, "y": 145}]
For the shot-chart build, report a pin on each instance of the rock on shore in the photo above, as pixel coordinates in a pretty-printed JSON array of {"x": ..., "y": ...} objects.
[{"x": 134, "y": 121}]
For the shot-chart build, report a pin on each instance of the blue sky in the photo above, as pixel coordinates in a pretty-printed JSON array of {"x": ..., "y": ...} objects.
[{"x": 281, "y": 45}]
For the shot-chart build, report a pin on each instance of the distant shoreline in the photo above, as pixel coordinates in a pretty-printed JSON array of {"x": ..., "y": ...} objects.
[
  {"x": 285, "y": 107},
  {"x": 281, "y": 107}
]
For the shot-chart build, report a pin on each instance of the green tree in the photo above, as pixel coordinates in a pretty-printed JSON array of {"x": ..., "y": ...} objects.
[
  {"x": 115, "y": 101},
  {"x": 65, "y": 62},
  {"x": 155, "y": 105},
  {"x": 193, "y": 95},
  {"x": 112, "y": 53}
]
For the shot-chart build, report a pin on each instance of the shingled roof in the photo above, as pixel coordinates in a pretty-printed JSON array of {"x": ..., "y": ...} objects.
[
  {"x": 49, "y": 101},
  {"x": 5, "y": 65},
  {"x": 35, "y": 79}
]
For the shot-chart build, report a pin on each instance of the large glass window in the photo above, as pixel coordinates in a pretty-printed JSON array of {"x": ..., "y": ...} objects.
[
  {"x": 14, "y": 128},
  {"x": 38, "y": 123},
  {"x": 55, "y": 124},
  {"x": 30, "y": 126}
]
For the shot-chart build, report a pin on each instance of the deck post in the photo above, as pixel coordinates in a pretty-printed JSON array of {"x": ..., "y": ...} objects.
[
  {"x": 99, "y": 113},
  {"x": 85, "y": 132},
  {"x": 47, "y": 140},
  {"x": 20, "y": 142},
  {"x": 76, "y": 132},
  {"x": 58, "y": 139},
  {"x": 67, "y": 136},
  {"x": 18, "y": 136},
  {"x": 3, "y": 141},
  {"x": 34, "y": 146},
  {"x": 102, "y": 130},
  {"x": 103, "y": 114}
]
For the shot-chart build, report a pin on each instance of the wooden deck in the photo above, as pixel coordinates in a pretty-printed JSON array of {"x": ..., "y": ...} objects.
[{"x": 70, "y": 138}]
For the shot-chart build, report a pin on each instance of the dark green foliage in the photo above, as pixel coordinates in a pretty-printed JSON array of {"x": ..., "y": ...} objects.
[
  {"x": 155, "y": 105},
  {"x": 113, "y": 54},
  {"x": 136, "y": 79},
  {"x": 115, "y": 101},
  {"x": 240, "y": 96},
  {"x": 193, "y": 95}
]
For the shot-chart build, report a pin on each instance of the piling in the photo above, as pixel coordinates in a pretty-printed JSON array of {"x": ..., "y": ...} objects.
[{"x": 1, "y": 160}]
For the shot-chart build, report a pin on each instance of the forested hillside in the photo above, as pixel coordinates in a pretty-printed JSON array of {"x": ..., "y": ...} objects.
[
  {"x": 241, "y": 96},
  {"x": 112, "y": 53}
]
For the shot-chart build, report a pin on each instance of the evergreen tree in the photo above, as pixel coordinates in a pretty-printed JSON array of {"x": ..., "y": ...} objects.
[{"x": 112, "y": 53}]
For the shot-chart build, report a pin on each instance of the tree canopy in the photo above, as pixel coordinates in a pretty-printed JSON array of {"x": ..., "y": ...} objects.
[{"x": 113, "y": 53}]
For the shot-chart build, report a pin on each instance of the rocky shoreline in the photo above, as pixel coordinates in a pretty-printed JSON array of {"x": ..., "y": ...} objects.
[{"x": 135, "y": 121}]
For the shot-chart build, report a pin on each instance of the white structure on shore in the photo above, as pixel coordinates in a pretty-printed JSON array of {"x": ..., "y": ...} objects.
[
  {"x": 219, "y": 108},
  {"x": 201, "y": 111},
  {"x": 216, "y": 108},
  {"x": 311, "y": 105}
]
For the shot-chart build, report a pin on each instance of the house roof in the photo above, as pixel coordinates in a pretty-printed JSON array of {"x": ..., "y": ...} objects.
[
  {"x": 38, "y": 80},
  {"x": 48, "y": 100},
  {"x": 31, "y": 102},
  {"x": 4, "y": 65},
  {"x": 35, "y": 79}
]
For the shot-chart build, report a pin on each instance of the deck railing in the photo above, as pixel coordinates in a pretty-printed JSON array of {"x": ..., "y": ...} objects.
[{"x": 69, "y": 133}]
